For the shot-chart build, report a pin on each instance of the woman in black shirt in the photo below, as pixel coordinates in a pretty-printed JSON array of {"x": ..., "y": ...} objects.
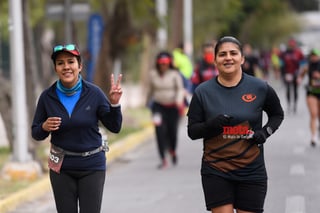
[{"x": 227, "y": 112}]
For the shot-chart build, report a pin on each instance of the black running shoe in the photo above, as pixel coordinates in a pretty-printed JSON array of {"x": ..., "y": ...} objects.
[
  {"x": 313, "y": 144},
  {"x": 174, "y": 160}
]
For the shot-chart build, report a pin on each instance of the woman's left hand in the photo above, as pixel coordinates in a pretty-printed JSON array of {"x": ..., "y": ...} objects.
[{"x": 115, "y": 90}]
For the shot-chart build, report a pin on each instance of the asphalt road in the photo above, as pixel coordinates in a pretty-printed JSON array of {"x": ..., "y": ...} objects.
[
  {"x": 134, "y": 184},
  {"x": 292, "y": 164}
]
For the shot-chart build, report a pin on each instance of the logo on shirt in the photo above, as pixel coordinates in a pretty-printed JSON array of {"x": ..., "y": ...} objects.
[
  {"x": 237, "y": 132},
  {"x": 248, "y": 97}
]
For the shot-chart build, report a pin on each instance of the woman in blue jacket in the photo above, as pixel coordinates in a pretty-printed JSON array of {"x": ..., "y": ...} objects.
[{"x": 70, "y": 111}]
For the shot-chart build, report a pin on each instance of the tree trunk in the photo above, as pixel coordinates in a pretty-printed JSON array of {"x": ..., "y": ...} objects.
[
  {"x": 177, "y": 24},
  {"x": 6, "y": 108},
  {"x": 146, "y": 62},
  {"x": 45, "y": 47},
  {"x": 104, "y": 63},
  {"x": 114, "y": 42}
]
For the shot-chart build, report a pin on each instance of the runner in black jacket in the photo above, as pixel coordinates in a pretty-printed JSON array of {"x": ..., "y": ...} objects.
[
  {"x": 69, "y": 112},
  {"x": 227, "y": 112}
]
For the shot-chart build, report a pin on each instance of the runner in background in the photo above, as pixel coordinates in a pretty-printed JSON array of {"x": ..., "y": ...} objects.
[
  {"x": 275, "y": 63},
  {"x": 264, "y": 63},
  {"x": 165, "y": 99},
  {"x": 251, "y": 63},
  {"x": 204, "y": 68},
  {"x": 183, "y": 63},
  {"x": 292, "y": 58},
  {"x": 312, "y": 69}
]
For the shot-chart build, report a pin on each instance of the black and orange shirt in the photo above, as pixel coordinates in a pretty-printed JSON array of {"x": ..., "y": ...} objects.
[{"x": 232, "y": 154}]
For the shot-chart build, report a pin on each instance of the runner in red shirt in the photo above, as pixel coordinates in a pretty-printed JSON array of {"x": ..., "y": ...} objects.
[{"x": 291, "y": 59}]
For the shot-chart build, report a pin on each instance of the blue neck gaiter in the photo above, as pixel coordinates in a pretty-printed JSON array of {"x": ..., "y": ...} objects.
[{"x": 70, "y": 91}]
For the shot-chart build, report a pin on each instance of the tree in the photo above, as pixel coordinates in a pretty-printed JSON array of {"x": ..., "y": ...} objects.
[
  {"x": 262, "y": 23},
  {"x": 212, "y": 18},
  {"x": 269, "y": 23},
  {"x": 176, "y": 23},
  {"x": 5, "y": 86},
  {"x": 306, "y": 5},
  {"x": 121, "y": 32}
]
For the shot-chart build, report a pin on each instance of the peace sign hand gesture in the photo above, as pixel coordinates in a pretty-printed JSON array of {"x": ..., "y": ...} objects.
[{"x": 115, "y": 90}]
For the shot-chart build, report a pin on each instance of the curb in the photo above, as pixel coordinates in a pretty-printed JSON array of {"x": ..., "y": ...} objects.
[
  {"x": 43, "y": 185},
  {"x": 128, "y": 143}
]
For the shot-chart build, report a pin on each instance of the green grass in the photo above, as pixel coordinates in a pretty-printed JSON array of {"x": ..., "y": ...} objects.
[
  {"x": 8, "y": 186},
  {"x": 134, "y": 120},
  {"x": 4, "y": 154}
]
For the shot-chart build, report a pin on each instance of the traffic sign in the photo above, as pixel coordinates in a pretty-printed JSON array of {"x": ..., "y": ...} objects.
[{"x": 78, "y": 11}]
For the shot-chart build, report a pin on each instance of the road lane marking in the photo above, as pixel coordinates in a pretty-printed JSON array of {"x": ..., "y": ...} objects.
[
  {"x": 295, "y": 204},
  {"x": 297, "y": 169}
]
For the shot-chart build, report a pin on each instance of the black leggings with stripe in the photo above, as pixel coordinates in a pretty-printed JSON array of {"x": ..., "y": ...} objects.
[
  {"x": 167, "y": 131},
  {"x": 73, "y": 189}
]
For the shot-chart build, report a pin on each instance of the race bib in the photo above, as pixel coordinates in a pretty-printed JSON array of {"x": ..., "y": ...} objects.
[
  {"x": 55, "y": 158},
  {"x": 157, "y": 119}
]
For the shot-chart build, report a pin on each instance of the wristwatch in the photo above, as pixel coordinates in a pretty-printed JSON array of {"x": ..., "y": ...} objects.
[{"x": 269, "y": 130}]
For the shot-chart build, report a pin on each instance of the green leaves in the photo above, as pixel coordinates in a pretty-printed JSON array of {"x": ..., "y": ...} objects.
[{"x": 262, "y": 23}]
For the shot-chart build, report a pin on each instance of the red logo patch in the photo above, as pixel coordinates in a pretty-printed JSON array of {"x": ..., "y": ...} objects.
[{"x": 248, "y": 97}]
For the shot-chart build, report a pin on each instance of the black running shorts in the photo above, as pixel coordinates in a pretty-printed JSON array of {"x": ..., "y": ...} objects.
[{"x": 244, "y": 195}]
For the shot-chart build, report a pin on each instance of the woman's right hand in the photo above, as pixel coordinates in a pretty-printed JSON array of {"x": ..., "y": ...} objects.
[
  {"x": 216, "y": 124},
  {"x": 51, "y": 124}
]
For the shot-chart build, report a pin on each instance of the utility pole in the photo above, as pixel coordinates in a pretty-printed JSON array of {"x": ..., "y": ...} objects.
[
  {"x": 21, "y": 165},
  {"x": 68, "y": 23},
  {"x": 162, "y": 34},
  {"x": 187, "y": 27},
  {"x": 17, "y": 63}
]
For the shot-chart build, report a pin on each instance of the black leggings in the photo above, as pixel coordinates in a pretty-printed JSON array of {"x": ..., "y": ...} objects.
[
  {"x": 167, "y": 131},
  {"x": 69, "y": 187},
  {"x": 292, "y": 89}
]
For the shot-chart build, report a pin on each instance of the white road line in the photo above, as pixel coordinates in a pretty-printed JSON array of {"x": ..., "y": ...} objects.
[
  {"x": 295, "y": 204},
  {"x": 297, "y": 169}
]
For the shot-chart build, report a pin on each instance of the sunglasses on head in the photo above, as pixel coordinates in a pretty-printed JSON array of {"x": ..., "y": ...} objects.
[{"x": 68, "y": 47}]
